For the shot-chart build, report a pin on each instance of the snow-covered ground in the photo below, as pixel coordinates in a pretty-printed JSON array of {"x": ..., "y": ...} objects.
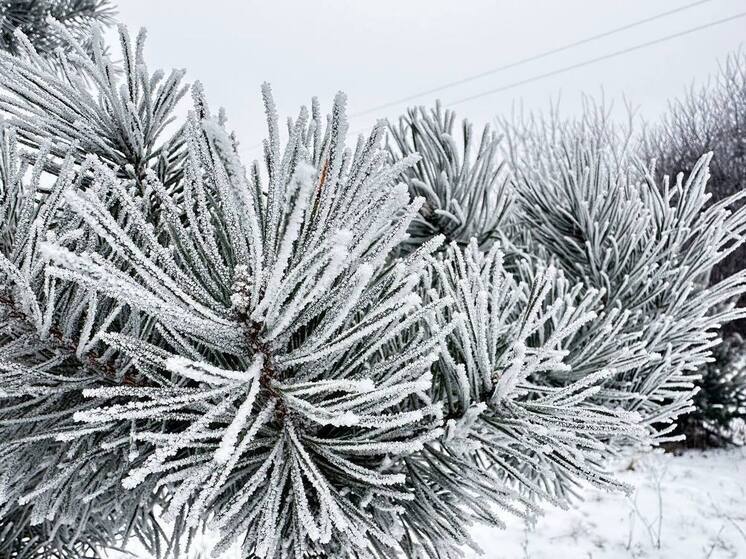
[{"x": 691, "y": 506}]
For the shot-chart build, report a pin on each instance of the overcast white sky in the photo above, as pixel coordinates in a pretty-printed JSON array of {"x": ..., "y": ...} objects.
[{"x": 381, "y": 50}]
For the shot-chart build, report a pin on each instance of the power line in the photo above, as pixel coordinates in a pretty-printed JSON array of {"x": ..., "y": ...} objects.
[
  {"x": 532, "y": 58},
  {"x": 597, "y": 59},
  {"x": 579, "y": 64}
]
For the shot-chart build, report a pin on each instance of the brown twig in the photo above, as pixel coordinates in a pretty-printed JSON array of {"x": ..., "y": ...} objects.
[
  {"x": 91, "y": 360},
  {"x": 269, "y": 370}
]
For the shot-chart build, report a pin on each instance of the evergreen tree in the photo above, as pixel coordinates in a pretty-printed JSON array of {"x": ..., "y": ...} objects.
[
  {"x": 568, "y": 179},
  {"x": 292, "y": 354},
  {"x": 720, "y": 402}
]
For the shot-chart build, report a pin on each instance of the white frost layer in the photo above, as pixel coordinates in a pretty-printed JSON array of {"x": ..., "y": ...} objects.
[{"x": 691, "y": 506}]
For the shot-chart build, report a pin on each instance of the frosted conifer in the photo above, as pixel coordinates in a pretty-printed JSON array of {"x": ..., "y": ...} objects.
[
  {"x": 636, "y": 255},
  {"x": 295, "y": 354},
  {"x": 517, "y": 428},
  {"x": 278, "y": 315}
]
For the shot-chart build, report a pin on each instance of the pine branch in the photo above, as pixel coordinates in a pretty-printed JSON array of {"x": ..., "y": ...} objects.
[
  {"x": 649, "y": 248},
  {"x": 32, "y": 19},
  {"x": 466, "y": 190},
  {"x": 280, "y": 354},
  {"x": 514, "y": 435},
  {"x": 49, "y": 349}
]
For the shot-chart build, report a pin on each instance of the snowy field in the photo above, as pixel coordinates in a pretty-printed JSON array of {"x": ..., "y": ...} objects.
[{"x": 691, "y": 506}]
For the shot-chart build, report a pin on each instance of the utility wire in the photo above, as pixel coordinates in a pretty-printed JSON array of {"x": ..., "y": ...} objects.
[
  {"x": 532, "y": 58},
  {"x": 577, "y": 65},
  {"x": 598, "y": 59}
]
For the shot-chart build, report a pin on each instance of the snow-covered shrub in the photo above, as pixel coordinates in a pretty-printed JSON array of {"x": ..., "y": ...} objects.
[
  {"x": 291, "y": 354},
  {"x": 604, "y": 128},
  {"x": 638, "y": 250}
]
